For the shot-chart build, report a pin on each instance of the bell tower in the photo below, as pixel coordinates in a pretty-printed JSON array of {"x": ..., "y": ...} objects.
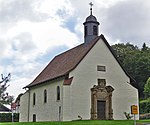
[{"x": 91, "y": 29}]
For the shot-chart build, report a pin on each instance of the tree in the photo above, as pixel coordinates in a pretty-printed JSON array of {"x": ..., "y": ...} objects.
[
  {"x": 136, "y": 61},
  {"x": 5, "y": 98},
  {"x": 144, "y": 47},
  {"x": 147, "y": 88},
  {"x": 124, "y": 50}
]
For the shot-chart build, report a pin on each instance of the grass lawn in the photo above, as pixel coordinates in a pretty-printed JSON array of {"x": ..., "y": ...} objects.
[{"x": 88, "y": 122}]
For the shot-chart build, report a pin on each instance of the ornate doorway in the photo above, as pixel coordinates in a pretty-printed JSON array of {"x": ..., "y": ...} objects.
[{"x": 101, "y": 101}]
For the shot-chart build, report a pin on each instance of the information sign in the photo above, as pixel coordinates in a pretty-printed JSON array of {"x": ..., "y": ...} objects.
[{"x": 134, "y": 109}]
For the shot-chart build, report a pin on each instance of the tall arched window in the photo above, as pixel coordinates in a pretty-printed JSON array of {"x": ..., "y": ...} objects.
[
  {"x": 58, "y": 93},
  {"x": 45, "y": 96},
  {"x": 34, "y": 98},
  {"x": 85, "y": 31},
  {"x": 95, "y": 30}
]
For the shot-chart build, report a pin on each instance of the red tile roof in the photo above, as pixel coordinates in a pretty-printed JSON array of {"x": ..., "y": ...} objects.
[
  {"x": 68, "y": 81},
  {"x": 62, "y": 64}
]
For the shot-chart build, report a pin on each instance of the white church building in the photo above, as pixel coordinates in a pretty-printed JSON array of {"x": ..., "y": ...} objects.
[{"x": 86, "y": 81}]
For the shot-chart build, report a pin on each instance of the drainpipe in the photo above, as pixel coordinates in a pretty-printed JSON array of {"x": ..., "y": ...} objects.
[{"x": 28, "y": 105}]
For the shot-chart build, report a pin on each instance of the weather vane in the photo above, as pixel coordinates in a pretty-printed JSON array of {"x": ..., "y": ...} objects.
[{"x": 91, "y": 4}]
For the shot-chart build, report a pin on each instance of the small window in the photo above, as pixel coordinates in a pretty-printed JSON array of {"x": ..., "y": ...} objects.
[
  {"x": 85, "y": 31},
  {"x": 58, "y": 93},
  {"x": 101, "y": 68},
  {"x": 95, "y": 30},
  {"x": 45, "y": 96},
  {"x": 102, "y": 82},
  {"x": 34, "y": 98}
]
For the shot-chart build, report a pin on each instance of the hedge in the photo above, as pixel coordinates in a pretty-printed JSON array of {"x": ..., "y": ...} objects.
[
  {"x": 7, "y": 117},
  {"x": 145, "y": 106}
]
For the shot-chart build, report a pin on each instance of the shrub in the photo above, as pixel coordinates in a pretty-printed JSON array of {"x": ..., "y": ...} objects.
[
  {"x": 128, "y": 116},
  {"x": 145, "y": 106},
  {"x": 7, "y": 117}
]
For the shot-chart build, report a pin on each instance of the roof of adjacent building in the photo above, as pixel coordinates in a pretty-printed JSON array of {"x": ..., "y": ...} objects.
[
  {"x": 4, "y": 108},
  {"x": 65, "y": 62}
]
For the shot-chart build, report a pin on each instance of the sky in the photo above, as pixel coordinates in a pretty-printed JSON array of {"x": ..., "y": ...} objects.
[{"x": 32, "y": 32}]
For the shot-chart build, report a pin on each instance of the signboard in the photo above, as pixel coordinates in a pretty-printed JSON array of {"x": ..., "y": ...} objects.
[
  {"x": 134, "y": 109},
  {"x": 13, "y": 106}
]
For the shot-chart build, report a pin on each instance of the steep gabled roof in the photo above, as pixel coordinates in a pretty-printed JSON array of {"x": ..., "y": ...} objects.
[
  {"x": 62, "y": 64},
  {"x": 4, "y": 108}
]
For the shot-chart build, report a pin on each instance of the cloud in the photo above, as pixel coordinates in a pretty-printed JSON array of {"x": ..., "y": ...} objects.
[
  {"x": 128, "y": 21},
  {"x": 3, "y": 47},
  {"x": 15, "y": 10},
  {"x": 23, "y": 43},
  {"x": 34, "y": 31},
  {"x": 29, "y": 37}
]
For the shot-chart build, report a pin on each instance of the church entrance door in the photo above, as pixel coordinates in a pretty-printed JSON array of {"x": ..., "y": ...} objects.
[
  {"x": 101, "y": 109},
  {"x": 101, "y": 101}
]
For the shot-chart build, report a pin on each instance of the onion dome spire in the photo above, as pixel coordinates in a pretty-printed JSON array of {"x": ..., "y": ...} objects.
[{"x": 90, "y": 26}]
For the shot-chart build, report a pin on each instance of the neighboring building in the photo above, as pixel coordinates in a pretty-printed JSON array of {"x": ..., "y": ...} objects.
[
  {"x": 17, "y": 104},
  {"x": 86, "y": 81},
  {"x": 4, "y": 109}
]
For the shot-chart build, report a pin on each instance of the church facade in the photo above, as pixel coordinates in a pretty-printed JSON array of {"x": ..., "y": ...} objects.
[{"x": 85, "y": 82}]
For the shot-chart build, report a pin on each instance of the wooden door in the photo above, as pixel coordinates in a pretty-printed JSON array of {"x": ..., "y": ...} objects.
[
  {"x": 101, "y": 109},
  {"x": 34, "y": 117}
]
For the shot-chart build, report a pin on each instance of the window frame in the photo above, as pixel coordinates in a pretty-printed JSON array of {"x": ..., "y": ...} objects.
[
  {"x": 85, "y": 31},
  {"x": 101, "y": 68},
  {"x": 95, "y": 30},
  {"x": 45, "y": 96},
  {"x": 58, "y": 93},
  {"x": 34, "y": 98}
]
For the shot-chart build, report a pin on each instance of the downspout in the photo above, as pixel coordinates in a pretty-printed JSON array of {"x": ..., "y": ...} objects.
[
  {"x": 29, "y": 105},
  {"x": 62, "y": 102}
]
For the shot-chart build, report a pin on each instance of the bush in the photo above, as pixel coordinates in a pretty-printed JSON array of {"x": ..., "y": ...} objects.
[
  {"x": 7, "y": 117},
  {"x": 145, "y": 106},
  {"x": 128, "y": 116}
]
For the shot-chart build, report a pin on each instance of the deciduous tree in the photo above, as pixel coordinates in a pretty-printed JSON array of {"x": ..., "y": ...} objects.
[
  {"x": 5, "y": 98},
  {"x": 147, "y": 88},
  {"x": 136, "y": 61}
]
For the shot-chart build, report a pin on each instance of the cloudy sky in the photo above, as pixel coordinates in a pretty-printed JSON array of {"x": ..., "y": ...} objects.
[{"x": 32, "y": 32}]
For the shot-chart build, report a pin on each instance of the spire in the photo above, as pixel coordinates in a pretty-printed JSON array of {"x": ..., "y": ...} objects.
[{"x": 91, "y": 4}]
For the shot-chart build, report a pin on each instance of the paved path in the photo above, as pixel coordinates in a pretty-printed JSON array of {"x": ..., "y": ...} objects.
[{"x": 143, "y": 124}]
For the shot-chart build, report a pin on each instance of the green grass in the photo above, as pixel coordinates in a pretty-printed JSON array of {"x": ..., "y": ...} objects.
[{"x": 86, "y": 122}]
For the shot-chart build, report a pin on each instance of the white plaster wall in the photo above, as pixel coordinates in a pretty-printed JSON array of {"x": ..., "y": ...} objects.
[
  {"x": 86, "y": 75},
  {"x": 76, "y": 98},
  {"x": 67, "y": 103},
  {"x": 24, "y": 100},
  {"x": 46, "y": 111}
]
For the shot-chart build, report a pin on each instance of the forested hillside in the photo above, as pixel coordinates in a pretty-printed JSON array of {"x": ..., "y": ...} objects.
[{"x": 136, "y": 61}]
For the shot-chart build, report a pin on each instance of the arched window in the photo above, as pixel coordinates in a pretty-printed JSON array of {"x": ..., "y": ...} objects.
[
  {"x": 45, "y": 96},
  {"x": 58, "y": 93},
  {"x": 34, "y": 98},
  {"x": 95, "y": 30},
  {"x": 85, "y": 31}
]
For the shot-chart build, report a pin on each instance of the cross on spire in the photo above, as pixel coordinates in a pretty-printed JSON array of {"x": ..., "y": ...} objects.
[{"x": 91, "y": 4}]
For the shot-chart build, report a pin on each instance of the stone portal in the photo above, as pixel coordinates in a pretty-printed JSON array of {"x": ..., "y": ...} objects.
[{"x": 101, "y": 101}]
